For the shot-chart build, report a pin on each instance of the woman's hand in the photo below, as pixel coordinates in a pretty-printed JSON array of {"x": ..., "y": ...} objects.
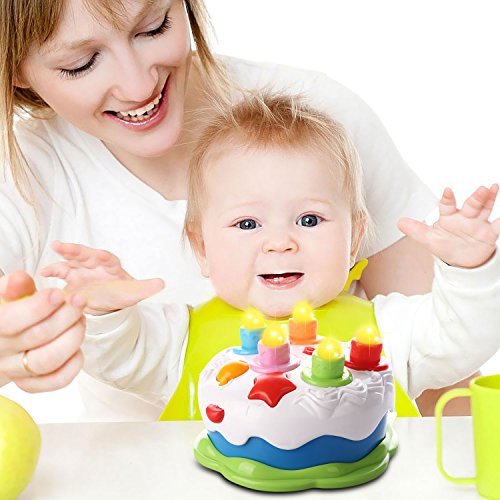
[
  {"x": 40, "y": 334},
  {"x": 99, "y": 276},
  {"x": 461, "y": 237}
]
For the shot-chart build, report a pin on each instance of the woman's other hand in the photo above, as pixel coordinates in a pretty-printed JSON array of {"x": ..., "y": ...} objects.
[{"x": 40, "y": 334}]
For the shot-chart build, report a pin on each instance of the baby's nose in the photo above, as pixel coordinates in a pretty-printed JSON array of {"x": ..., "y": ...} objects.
[{"x": 280, "y": 243}]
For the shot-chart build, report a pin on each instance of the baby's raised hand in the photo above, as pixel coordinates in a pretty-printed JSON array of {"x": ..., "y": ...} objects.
[
  {"x": 100, "y": 277},
  {"x": 461, "y": 237}
]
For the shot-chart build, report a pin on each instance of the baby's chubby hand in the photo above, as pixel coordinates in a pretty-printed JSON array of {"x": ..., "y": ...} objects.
[
  {"x": 461, "y": 237},
  {"x": 99, "y": 276}
]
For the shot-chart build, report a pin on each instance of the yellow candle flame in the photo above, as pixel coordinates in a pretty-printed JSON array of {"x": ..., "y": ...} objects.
[
  {"x": 252, "y": 319},
  {"x": 302, "y": 312},
  {"x": 369, "y": 336},
  {"x": 274, "y": 336},
  {"x": 329, "y": 349}
]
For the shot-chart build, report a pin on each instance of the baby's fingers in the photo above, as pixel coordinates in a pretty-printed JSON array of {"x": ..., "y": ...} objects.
[
  {"x": 56, "y": 270},
  {"x": 490, "y": 202},
  {"x": 496, "y": 226},
  {"x": 476, "y": 203},
  {"x": 133, "y": 291},
  {"x": 414, "y": 229},
  {"x": 77, "y": 255},
  {"x": 447, "y": 203}
]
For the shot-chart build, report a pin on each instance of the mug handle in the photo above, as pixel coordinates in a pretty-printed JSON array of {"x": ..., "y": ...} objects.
[{"x": 442, "y": 401}]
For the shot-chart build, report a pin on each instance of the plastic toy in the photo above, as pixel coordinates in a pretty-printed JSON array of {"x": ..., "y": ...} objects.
[{"x": 283, "y": 414}]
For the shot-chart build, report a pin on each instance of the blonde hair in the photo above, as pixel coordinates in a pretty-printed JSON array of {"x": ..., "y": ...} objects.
[
  {"x": 29, "y": 23},
  {"x": 268, "y": 120}
]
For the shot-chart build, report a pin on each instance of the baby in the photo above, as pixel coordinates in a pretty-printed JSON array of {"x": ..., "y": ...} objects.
[{"x": 275, "y": 216}]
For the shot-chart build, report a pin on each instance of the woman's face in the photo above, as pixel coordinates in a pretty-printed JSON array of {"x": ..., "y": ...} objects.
[{"x": 125, "y": 86}]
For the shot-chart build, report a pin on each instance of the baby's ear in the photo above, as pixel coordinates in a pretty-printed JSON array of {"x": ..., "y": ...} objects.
[
  {"x": 198, "y": 245},
  {"x": 357, "y": 233}
]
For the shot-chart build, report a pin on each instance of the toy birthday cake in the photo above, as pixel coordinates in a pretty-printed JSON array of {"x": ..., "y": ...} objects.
[{"x": 287, "y": 410}]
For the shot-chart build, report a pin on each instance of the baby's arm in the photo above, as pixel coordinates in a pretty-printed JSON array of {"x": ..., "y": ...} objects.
[
  {"x": 99, "y": 275},
  {"x": 437, "y": 339},
  {"x": 138, "y": 348}
]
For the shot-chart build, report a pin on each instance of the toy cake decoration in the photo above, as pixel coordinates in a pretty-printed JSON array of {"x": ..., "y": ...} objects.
[{"x": 282, "y": 414}]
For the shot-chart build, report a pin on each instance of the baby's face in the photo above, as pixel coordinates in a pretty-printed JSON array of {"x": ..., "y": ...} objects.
[{"x": 276, "y": 229}]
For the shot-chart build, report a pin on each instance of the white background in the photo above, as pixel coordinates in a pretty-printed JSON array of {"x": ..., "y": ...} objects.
[{"x": 429, "y": 69}]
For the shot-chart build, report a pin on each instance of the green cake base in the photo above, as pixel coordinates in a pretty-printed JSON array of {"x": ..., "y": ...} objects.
[{"x": 258, "y": 476}]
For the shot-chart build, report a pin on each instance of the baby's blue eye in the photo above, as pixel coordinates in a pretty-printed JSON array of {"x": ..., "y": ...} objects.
[
  {"x": 309, "y": 220},
  {"x": 247, "y": 224}
]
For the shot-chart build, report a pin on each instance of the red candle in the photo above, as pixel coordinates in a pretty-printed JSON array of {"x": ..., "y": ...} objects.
[{"x": 366, "y": 350}]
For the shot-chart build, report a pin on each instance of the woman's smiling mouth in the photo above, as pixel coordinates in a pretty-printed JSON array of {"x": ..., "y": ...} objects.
[
  {"x": 146, "y": 116},
  {"x": 281, "y": 281}
]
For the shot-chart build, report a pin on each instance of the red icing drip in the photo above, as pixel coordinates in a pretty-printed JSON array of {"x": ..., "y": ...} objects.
[
  {"x": 215, "y": 413},
  {"x": 270, "y": 388}
]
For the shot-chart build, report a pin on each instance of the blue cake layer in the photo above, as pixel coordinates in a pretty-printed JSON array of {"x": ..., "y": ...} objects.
[{"x": 321, "y": 450}]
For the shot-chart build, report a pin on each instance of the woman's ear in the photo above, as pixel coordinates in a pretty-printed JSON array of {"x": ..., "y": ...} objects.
[
  {"x": 20, "y": 81},
  {"x": 357, "y": 233}
]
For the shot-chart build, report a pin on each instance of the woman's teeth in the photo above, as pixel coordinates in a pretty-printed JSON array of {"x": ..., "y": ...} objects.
[{"x": 140, "y": 114}]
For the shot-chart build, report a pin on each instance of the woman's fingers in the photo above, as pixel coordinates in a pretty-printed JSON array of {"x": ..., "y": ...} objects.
[
  {"x": 16, "y": 285},
  {"x": 49, "y": 329},
  {"x": 21, "y": 314},
  {"x": 58, "y": 379},
  {"x": 48, "y": 358}
]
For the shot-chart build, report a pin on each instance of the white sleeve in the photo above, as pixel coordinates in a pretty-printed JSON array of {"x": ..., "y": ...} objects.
[
  {"x": 440, "y": 338},
  {"x": 138, "y": 349}
]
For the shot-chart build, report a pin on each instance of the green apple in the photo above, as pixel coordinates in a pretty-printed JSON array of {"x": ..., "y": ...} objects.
[{"x": 19, "y": 448}]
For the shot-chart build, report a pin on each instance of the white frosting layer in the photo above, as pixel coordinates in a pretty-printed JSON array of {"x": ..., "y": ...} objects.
[{"x": 352, "y": 411}]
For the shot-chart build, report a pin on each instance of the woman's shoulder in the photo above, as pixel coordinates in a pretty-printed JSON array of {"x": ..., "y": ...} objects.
[
  {"x": 320, "y": 90},
  {"x": 313, "y": 84}
]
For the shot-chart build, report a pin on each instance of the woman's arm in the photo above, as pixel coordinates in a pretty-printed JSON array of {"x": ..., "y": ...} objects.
[{"x": 407, "y": 267}]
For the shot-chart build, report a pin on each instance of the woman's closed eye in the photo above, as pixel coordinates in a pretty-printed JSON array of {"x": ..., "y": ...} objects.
[
  {"x": 86, "y": 67},
  {"x": 247, "y": 224},
  {"x": 309, "y": 220}
]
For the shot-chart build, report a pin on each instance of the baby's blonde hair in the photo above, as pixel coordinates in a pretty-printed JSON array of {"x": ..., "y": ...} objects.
[
  {"x": 31, "y": 23},
  {"x": 271, "y": 120}
]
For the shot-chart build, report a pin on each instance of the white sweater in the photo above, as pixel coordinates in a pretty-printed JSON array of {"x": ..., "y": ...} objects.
[{"x": 431, "y": 340}]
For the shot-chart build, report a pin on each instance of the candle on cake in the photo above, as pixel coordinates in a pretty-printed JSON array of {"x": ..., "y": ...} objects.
[
  {"x": 303, "y": 325},
  {"x": 274, "y": 352},
  {"x": 366, "y": 350},
  {"x": 252, "y": 326},
  {"x": 327, "y": 365}
]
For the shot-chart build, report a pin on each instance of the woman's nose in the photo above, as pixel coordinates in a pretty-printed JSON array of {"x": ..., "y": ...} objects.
[
  {"x": 135, "y": 82},
  {"x": 280, "y": 243}
]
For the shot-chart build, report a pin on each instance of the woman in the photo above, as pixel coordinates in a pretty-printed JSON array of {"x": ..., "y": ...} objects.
[{"x": 115, "y": 91}]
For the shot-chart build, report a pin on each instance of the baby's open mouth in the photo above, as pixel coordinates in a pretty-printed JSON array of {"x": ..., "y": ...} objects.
[{"x": 281, "y": 280}]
